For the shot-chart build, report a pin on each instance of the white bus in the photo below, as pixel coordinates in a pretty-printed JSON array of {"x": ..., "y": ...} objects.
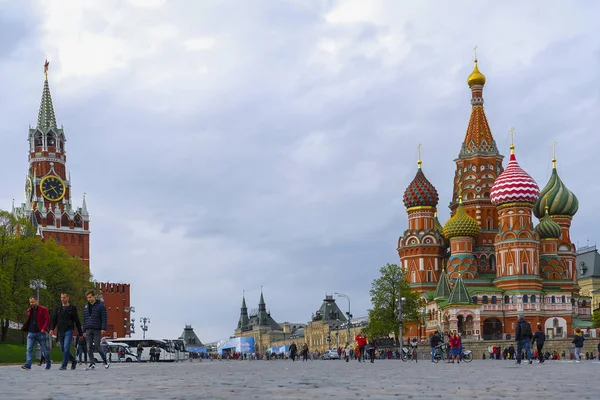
[{"x": 167, "y": 350}]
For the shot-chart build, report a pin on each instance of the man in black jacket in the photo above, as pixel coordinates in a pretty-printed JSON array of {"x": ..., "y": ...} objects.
[
  {"x": 523, "y": 337},
  {"x": 539, "y": 337},
  {"x": 64, "y": 320},
  {"x": 94, "y": 327}
]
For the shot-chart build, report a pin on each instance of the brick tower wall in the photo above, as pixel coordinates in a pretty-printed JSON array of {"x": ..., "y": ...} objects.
[{"x": 116, "y": 297}]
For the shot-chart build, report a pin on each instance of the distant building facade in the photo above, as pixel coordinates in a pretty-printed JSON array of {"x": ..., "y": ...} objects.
[
  {"x": 588, "y": 272},
  {"x": 328, "y": 327}
]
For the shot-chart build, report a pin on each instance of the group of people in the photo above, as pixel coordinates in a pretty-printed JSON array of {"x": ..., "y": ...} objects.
[
  {"x": 64, "y": 322},
  {"x": 526, "y": 338}
]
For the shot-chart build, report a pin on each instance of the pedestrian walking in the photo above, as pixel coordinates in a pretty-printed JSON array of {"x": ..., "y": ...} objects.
[
  {"x": 434, "y": 342},
  {"x": 361, "y": 340},
  {"x": 94, "y": 327},
  {"x": 371, "y": 347},
  {"x": 523, "y": 337},
  {"x": 293, "y": 351},
  {"x": 36, "y": 325},
  {"x": 82, "y": 349},
  {"x": 305, "y": 352},
  {"x": 578, "y": 340},
  {"x": 64, "y": 320},
  {"x": 539, "y": 338}
]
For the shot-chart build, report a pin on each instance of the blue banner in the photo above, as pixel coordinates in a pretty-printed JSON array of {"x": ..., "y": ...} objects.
[{"x": 236, "y": 344}]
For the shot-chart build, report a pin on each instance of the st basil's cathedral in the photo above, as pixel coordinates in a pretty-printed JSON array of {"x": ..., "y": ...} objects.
[{"x": 490, "y": 262}]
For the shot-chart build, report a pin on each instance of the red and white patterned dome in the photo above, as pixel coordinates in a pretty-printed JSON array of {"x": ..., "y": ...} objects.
[{"x": 514, "y": 185}]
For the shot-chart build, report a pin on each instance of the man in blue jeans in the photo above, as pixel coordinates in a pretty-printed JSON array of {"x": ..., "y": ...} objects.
[
  {"x": 36, "y": 326},
  {"x": 64, "y": 320},
  {"x": 523, "y": 337}
]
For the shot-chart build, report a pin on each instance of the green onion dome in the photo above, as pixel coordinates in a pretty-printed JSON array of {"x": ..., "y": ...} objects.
[
  {"x": 461, "y": 224},
  {"x": 559, "y": 199},
  {"x": 547, "y": 228}
]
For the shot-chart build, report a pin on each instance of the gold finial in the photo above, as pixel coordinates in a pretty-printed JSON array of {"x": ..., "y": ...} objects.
[
  {"x": 554, "y": 155},
  {"x": 460, "y": 199},
  {"x": 511, "y": 132},
  {"x": 46, "y": 66},
  {"x": 419, "y": 162},
  {"x": 475, "y": 51}
]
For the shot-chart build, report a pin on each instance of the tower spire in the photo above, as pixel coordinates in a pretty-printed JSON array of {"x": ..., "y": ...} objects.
[
  {"x": 511, "y": 132},
  {"x": 419, "y": 162},
  {"x": 46, "y": 117}
]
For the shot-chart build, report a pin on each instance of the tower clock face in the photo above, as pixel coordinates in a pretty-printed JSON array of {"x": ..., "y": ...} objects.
[
  {"x": 52, "y": 188},
  {"x": 28, "y": 188}
]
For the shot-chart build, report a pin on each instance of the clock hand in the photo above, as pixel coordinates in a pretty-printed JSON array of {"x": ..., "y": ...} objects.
[{"x": 54, "y": 188}]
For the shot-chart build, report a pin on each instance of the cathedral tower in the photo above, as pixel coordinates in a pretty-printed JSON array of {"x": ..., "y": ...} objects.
[
  {"x": 48, "y": 198},
  {"x": 561, "y": 205},
  {"x": 422, "y": 247},
  {"x": 477, "y": 166},
  {"x": 517, "y": 243}
]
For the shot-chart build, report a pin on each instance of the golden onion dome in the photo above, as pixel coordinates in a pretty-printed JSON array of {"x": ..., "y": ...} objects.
[
  {"x": 461, "y": 224},
  {"x": 476, "y": 77}
]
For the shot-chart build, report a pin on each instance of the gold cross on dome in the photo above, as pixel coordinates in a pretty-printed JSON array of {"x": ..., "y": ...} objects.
[
  {"x": 553, "y": 144},
  {"x": 475, "y": 51},
  {"x": 419, "y": 155}
]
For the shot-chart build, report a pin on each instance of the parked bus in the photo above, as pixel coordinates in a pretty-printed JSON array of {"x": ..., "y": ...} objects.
[
  {"x": 180, "y": 350},
  {"x": 167, "y": 349}
]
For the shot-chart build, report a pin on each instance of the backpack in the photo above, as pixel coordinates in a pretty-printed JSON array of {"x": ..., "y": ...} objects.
[{"x": 526, "y": 330}]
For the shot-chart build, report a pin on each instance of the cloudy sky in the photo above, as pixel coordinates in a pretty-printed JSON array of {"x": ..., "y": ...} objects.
[{"x": 226, "y": 145}]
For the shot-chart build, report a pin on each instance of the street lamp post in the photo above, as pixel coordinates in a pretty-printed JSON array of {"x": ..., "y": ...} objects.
[
  {"x": 129, "y": 321},
  {"x": 37, "y": 284},
  {"x": 400, "y": 317},
  {"x": 145, "y": 321},
  {"x": 348, "y": 313}
]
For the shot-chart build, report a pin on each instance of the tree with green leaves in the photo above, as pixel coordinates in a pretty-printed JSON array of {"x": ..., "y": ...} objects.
[
  {"x": 386, "y": 291},
  {"x": 596, "y": 319},
  {"x": 24, "y": 257}
]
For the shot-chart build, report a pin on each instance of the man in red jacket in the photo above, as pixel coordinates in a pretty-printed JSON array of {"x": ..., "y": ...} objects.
[
  {"x": 36, "y": 326},
  {"x": 361, "y": 340}
]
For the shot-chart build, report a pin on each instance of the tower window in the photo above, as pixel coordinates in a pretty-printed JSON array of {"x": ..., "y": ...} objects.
[
  {"x": 429, "y": 276},
  {"x": 525, "y": 299},
  {"x": 38, "y": 139},
  {"x": 494, "y": 299},
  {"x": 50, "y": 139}
]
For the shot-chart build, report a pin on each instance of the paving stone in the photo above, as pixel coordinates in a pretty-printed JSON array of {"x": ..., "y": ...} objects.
[{"x": 384, "y": 379}]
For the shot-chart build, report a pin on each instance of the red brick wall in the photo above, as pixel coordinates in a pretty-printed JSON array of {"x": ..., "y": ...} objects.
[{"x": 116, "y": 297}]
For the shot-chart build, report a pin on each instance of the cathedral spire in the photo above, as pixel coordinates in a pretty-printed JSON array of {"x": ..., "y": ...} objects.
[
  {"x": 478, "y": 139},
  {"x": 46, "y": 117}
]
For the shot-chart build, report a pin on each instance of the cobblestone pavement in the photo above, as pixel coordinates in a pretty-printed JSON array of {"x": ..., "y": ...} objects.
[{"x": 384, "y": 379}]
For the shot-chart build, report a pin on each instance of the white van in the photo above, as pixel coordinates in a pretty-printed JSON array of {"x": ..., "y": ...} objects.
[{"x": 111, "y": 353}]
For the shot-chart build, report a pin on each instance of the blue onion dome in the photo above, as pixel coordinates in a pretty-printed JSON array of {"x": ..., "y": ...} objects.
[
  {"x": 559, "y": 199},
  {"x": 547, "y": 228},
  {"x": 420, "y": 192},
  {"x": 461, "y": 224}
]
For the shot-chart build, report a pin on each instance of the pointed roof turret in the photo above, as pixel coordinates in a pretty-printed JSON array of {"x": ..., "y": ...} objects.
[
  {"x": 443, "y": 287},
  {"x": 84, "y": 210},
  {"x": 460, "y": 294},
  {"x": 478, "y": 138},
  {"x": 46, "y": 118},
  {"x": 243, "y": 323}
]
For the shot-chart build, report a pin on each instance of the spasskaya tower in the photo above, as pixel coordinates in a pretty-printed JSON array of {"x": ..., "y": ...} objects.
[{"x": 48, "y": 197}]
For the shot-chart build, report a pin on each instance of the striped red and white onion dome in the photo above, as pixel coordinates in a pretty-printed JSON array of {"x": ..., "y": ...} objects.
[{"x": 514, "y": 185}]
